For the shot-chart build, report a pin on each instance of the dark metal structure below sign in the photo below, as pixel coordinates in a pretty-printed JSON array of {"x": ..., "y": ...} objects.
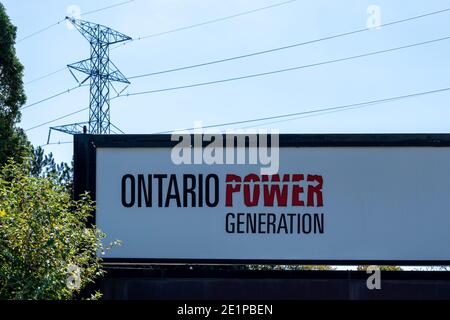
[{"x": 125, "y": 283}]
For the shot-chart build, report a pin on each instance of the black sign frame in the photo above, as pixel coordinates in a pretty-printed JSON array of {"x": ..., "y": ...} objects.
[{"x": 85, "y": 146}]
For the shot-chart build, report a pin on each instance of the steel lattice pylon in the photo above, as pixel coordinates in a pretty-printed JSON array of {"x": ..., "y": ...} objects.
[{"x": 100, "y": 71}]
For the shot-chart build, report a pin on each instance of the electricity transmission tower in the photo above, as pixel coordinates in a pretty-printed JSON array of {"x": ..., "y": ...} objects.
[{"x": 101, "y": 72}]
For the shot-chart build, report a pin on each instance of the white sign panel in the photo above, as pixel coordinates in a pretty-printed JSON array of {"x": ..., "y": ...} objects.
[{"x": 324, "y": 204}]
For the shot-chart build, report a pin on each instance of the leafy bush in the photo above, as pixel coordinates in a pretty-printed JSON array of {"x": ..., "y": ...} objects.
[{"x": 47, "y": 248}]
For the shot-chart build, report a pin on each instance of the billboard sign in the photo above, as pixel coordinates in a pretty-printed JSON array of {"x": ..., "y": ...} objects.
[{"x": 302, "y": 199}]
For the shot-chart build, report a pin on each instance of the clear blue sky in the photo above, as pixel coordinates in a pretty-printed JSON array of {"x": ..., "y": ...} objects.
[{"x": 392, "y": 74}]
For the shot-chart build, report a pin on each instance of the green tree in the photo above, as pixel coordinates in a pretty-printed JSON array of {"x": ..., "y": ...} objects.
[
  {"x": 382, "y": 268},
  {"x": 43, "y": 165},
  {"x": 47, "y": 248},
  {"x": 290, "y": 267},
  {"x": 13, "y": 141}
]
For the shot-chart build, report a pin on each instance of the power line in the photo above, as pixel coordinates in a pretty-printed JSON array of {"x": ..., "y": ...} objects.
[
  {"x": 320, "y": 111},
  {"x": 209, "y": 21},
  {"x": 266, "y": 51},
  {"x": 46, "y": 75},
  {"x": 169, "y": 31},
  {"x": 56, "y": 143},
  {"x": 348, "y": 106},
  {"x": 62, "y": 20},
  {"x": 249, "y": 76},
  {"x": 106, "y": 8},
  {"x": 54, "y": 120},
  {"x": 66, "y": 116},
  {"x": 52, "y": 97},
  {"x": 40, "y": 31},
  {"x": 288, "y": 46},
  {"x": 121, "y": 131},
  {"x": 297, "y": 118},
  {"x": 311, "y": 115},
  {"x": 283, "y": 70},
  {"x": 238, "y": 78},
  {"x": 216, "y": 20}
]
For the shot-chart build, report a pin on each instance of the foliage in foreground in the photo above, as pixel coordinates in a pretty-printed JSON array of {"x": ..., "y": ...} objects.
[
  {"x": 13, "y": 141},
  {"x": 42, "y": 165},
  {"x": 268, "y": 267},
  {"x": 382, "y": 268},
  {"x": 47, "y": 249}
]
